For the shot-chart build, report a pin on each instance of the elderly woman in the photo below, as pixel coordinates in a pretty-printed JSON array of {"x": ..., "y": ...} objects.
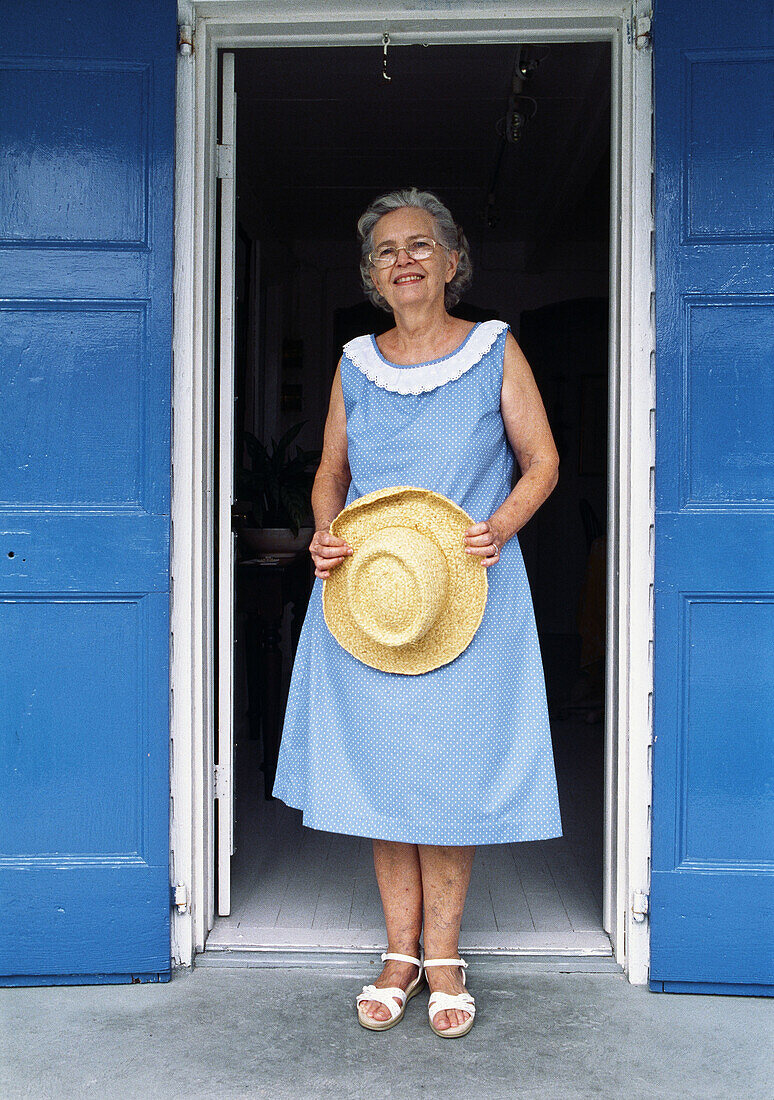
[{"x": 427, "y": 766}]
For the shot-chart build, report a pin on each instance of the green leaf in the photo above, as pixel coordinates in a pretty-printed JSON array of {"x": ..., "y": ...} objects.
[{"x": 277, "y": 486}]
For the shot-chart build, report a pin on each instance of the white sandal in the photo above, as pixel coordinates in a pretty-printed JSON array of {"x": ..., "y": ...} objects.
[
  {"x": 440, "y": 1001},
  {"x": 389, "y": 995}
]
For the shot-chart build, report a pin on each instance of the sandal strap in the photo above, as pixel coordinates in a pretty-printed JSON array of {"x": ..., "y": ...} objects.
[
  {"x": 441, "y": 1001},
  {"x": 449, "y": 962},
  {"x": 401, "y": 958},
  {"x": 386, "y": 995}
]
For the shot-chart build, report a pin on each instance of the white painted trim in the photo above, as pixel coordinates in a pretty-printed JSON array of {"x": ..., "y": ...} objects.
[
  {"x": 636, "y": 504},
  {"x": 185, "y": 718},
  {"x": 611, "y": 869},
  {"x": 192, "y": 520},
  {"x": 222, "y": 23},
  {"x": 226, "y": 556}
]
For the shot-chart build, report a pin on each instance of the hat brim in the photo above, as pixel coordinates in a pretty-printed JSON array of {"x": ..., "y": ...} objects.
[{"x": 460, "y": 616}]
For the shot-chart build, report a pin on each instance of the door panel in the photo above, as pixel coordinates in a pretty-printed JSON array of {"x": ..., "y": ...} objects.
[
  {"x": 712, "y": 873},
  {"x": 224, "y": 787},
  {"x": 86, "y": 215}
]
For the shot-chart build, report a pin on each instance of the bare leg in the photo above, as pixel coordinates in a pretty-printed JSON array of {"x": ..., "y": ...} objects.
[
  {"x": 445, "y": 879},
  {"x": 400, "y": 885}
]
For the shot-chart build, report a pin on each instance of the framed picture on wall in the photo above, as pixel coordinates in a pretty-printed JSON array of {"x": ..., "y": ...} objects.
[
  {"x": 291, "y": 397},
  {"x": 292, "y": 354}
]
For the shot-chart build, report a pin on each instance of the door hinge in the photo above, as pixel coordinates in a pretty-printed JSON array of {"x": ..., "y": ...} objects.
[
  {"x": 180, "y": 898},
  {"x": 642, "y": 30},
  {"x": 640, "y": 906},
  {"x": 185, "y": 39},
  {"x": 225, "y": 162},
  {"x": 222, "y": 783}
]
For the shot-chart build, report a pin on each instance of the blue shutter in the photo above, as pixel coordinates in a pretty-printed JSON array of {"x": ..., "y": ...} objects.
[
  {"x": 712, "y": 896},
  {"x": 86, "y": 234}
]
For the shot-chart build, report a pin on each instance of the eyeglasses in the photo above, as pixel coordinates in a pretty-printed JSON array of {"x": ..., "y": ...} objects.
[{"x": 420, "y": 248}]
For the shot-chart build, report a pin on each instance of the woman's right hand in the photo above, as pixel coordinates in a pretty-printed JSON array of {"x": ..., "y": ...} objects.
[{"x": 327, "y": 552}]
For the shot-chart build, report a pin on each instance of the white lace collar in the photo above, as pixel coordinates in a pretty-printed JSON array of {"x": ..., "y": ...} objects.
[{"x": 364, "y": 353}]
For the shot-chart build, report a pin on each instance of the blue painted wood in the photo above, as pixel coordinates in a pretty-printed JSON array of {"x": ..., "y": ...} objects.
[
  {"x": 86, "y": 245},
  {"x": 78, "y": 979},
  {"x": 724, "y": 988},
  {"x": 712, "y": 871}
]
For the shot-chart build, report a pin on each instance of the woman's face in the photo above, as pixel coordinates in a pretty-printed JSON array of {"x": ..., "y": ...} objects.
[{"x": 408, "y": 282}]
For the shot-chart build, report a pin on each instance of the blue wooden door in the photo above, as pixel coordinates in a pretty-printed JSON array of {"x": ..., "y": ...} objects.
[
  {"x": 86, "y": 217},
  {"x": 712, "y": 881}
]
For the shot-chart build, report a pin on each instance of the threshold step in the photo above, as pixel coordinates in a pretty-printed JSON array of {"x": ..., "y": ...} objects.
[{"x": 485, "y": 962}]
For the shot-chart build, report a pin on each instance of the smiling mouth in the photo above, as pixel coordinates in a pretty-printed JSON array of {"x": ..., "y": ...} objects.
[{"x": 408, "y": 279}]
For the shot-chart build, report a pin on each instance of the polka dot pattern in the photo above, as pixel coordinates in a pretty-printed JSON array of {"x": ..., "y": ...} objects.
[{"x": 461, "y": 754}]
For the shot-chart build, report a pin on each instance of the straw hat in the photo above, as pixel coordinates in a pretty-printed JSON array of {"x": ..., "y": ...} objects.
[{"x": 408, "y": 598}]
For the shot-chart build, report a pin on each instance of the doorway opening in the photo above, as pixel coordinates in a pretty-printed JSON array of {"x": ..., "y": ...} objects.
[{"x": 516, "y": 141}]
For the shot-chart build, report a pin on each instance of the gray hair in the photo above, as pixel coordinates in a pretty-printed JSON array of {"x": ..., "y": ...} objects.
[{"x": 448, "y": 233}]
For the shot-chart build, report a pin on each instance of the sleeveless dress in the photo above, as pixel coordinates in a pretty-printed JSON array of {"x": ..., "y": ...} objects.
[{"x": 461, "y": 754}]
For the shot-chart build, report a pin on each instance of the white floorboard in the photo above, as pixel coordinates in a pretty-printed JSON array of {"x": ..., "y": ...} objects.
[{"x": 299, "y": 887}]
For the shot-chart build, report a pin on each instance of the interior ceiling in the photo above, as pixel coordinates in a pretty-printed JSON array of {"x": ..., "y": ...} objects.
[{"x": 320, "y": 133}]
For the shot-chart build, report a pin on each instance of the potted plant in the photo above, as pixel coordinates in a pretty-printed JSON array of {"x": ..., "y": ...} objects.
[{"x": 278, "y": 489}]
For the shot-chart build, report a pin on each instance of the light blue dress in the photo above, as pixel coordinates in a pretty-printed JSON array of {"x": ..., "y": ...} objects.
[{"x": 461, "y": 754}]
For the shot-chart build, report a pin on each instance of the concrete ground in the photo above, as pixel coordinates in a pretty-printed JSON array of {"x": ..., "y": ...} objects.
[{"x": 239, "y": 1033}]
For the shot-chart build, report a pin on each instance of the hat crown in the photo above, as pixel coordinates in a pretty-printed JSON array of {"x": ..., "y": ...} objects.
[
  {"x": 422, "y": 597},
  {"x": 397, "y": 585}
]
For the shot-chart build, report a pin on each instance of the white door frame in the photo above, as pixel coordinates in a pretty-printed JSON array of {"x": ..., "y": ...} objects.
[{"x": 215, "y": 24}]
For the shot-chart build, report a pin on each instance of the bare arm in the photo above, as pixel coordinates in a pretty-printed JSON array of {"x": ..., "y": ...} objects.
[
  {"x": 529, "y": 434},
  {"x": 332, "y": 480}
]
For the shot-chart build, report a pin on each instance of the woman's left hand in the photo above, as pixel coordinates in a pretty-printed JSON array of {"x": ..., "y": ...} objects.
[{"x": 486, "y": 540}]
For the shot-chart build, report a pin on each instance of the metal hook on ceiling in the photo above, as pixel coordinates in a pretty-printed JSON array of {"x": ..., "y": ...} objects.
[{"x": 385, "y": 44}]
